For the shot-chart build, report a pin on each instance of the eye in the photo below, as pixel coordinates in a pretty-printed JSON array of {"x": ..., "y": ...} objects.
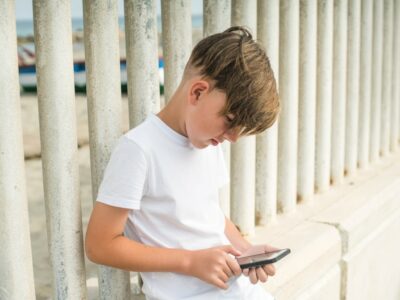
[{"x": 229, "y": 119}]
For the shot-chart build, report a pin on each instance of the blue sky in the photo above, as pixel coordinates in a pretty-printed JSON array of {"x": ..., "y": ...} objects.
[{"x": 23, "y": 8}]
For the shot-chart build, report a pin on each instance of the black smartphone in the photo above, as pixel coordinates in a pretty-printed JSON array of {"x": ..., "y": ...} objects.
[{"x": 262, "y": 259}]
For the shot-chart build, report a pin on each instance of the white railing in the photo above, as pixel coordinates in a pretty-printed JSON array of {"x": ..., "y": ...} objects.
[
  {"x": 102, "y": 60},
  {"x": 16, "y": 269},
  {"x": 338, "y": 68},
  {"x": 243, "y": 152}
]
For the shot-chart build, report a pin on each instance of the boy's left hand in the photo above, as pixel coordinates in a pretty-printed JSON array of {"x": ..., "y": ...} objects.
[{"x": 260, "y": 273}]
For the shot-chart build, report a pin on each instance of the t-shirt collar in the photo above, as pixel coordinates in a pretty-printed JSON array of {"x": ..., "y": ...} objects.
[{"x": 172, "y": 134}]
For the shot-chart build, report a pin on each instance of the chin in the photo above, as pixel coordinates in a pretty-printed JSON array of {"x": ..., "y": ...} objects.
[{"x": 200, "y": 145}]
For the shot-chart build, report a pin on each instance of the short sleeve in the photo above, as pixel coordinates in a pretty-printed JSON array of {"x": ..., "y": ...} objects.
[
  {"x": 125, "y": 176},
  {"x": 223, "y": 175}
]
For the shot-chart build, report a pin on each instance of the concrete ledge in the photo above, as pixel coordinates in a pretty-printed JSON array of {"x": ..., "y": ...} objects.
[
  {"x": 337, "y": 237},
  {"x": 316, "y": 249},
  {"x": 358, "y": 213},
  {"x": 327, "y": 287},
  {"x": 371, "y": 270},
  {"x": 368, "y": 221}
]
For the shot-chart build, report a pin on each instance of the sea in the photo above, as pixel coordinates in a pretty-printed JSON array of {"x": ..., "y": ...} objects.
[{"x": 25, "y": 27}]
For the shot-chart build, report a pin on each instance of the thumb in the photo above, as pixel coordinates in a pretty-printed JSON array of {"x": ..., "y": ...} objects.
[{"x": 230, "y": 249}]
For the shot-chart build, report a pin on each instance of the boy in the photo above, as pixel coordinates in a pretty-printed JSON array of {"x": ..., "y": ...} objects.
[{"x": 157, "y": 210}]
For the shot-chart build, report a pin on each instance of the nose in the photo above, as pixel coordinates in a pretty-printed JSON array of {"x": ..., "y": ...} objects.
[{"x": 231, "y": 135}]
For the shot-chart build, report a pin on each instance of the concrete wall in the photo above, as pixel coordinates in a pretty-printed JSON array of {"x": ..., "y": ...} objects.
[{"x": 345, "y": 244}]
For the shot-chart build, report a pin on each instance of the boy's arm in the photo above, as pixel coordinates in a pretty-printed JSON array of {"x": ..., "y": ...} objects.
[
  {"x": 105, "y": 244},
  {"x": 235, "y": 237}
]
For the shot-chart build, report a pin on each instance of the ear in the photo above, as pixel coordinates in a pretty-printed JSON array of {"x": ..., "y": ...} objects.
[{"x": 197, "y": 90}]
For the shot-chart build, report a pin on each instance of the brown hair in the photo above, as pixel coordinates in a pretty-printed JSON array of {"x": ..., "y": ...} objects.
[{"x": 239, "y": 67}]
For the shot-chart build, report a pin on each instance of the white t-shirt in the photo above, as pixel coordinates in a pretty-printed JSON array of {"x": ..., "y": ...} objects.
[{"x": 172, "y": 189}]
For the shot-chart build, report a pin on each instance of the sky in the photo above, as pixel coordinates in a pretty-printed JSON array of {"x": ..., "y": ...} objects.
[{"x": 23, "y": 8}]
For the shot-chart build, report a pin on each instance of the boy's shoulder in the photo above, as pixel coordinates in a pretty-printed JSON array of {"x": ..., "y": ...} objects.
[
  {"x": 143, "y": 132},
  {"x": 151, "y": 136}
]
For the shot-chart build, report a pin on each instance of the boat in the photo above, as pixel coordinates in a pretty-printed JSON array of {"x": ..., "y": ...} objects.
[{"x": 27, "y": 72}]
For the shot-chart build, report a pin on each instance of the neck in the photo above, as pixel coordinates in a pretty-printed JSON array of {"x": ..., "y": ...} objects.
[{"x": 173, "y": 112}]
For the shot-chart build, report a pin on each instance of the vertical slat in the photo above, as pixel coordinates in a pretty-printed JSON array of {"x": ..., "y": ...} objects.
[
  {"x": 398, "y": 66},
  {"x": 217, "y": 18},
  {"x": 288, "y": 90},
  {"x": 339, "y": 90},
  {"x": 376, "y": 89},
  {"x": 142, "y": 59},
  {"x": 177, "y": 41},
  {"x": 307, "y": 99},
  {"x": 386, "y": 76},
  {"x": 16, "y": 270},
  {"x": 364, "y": 116},
  {"x": 54, "y": 66},
  {"x": 267, "y": 142},
  {"x": 324, "y": 94},
  {"x": 244, "y": 150},
  {"x": 352, "y": 92},
  {"x": 395, "y": 119},
  {"x": 104, "y": 109},
  {"x": 225, "y": 192}
]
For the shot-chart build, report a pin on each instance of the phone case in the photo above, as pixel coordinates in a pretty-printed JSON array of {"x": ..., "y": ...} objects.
[{"x": 266, "y": 261}]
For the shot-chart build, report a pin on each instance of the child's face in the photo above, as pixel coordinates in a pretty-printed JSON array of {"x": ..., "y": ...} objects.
[{"x": 205, "y": 125}]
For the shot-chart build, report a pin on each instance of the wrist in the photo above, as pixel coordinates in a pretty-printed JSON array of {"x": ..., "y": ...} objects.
[{"x": 186, "y": 261}]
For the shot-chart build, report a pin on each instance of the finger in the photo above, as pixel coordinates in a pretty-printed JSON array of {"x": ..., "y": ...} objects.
[
  {"x": 255, "y": 249},
  {"x": 220, "y": 284},
  {"x": 245, "y": 272},
  {"x": 253, "y": 276},
  {"x": 234, "y": 266},
  {"x": 269, "y": 269},
  {"x": 222, "y": 276},
  {"x": 230, "y": 249},
  {"x": 228, "y": 272},
  {"x": 268, "y": 248},
  {"x": 261, "y": 274}
]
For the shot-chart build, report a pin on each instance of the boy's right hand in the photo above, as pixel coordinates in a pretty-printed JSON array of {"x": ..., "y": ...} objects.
[{"x": 214, "y": 265}]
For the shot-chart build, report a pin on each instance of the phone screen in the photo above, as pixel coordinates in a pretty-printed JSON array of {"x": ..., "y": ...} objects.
[{"x": 262, "y": 259}]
